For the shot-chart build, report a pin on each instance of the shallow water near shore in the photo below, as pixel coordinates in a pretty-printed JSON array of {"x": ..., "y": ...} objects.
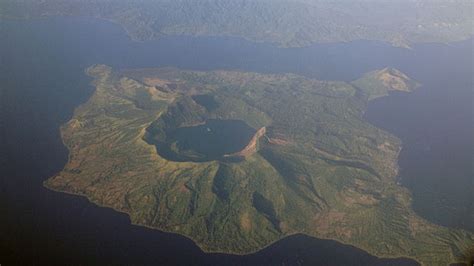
[{"x": 43, "y": 80}]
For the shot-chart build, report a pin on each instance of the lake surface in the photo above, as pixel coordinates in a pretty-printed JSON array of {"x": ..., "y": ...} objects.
[
  {"x": 42, "y": 80},
  {"x": 211, "y": 140}
]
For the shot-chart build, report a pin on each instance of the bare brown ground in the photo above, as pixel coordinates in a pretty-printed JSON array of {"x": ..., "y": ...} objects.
[
  {"x": 155, "y": 82},
  {"x": 277, "y": 141},
  {"x": 251, "y": 148},
  {"x": 245, "y": 222}
]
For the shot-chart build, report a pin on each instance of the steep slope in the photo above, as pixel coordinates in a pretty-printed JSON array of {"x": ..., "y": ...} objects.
[{"x": 318, "y": 168}]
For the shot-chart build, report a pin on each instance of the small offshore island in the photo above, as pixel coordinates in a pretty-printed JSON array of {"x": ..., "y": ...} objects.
[{"x": 299, "y": 159}]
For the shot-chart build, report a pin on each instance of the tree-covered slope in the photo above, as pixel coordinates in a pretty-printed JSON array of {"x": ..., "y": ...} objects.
[
  {"x": 286, "y": 22},
  {"x": 314, "y": 166}
]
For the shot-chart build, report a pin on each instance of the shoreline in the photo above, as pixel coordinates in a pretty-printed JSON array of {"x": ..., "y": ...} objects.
[{"x": 203, "y": 248}]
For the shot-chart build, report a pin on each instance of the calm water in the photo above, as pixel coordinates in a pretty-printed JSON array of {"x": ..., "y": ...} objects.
[
  {"x": 42, "y": 81},
  {"x": 436, "y": 125},
  {"x": 206, "y": 142}
]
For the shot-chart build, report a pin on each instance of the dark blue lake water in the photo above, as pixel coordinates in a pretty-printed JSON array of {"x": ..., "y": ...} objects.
[
  {"x": 206, "y": 142},
  {"x": 42, "y": 81}
]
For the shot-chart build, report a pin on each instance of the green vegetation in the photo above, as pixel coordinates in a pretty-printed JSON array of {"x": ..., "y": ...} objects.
[
  {"x": 313, "y": 167},
  {"x": 379, "y": 83},
  {"x": 290, "y": 23}
]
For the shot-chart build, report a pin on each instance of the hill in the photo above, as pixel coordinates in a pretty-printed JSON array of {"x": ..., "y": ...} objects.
[
  {"x": 309, "y": 165},
  {"x": 289, "y": 23}
]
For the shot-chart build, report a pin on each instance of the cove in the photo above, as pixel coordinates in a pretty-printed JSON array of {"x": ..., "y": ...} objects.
[{"x": 42, "y": 82}]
